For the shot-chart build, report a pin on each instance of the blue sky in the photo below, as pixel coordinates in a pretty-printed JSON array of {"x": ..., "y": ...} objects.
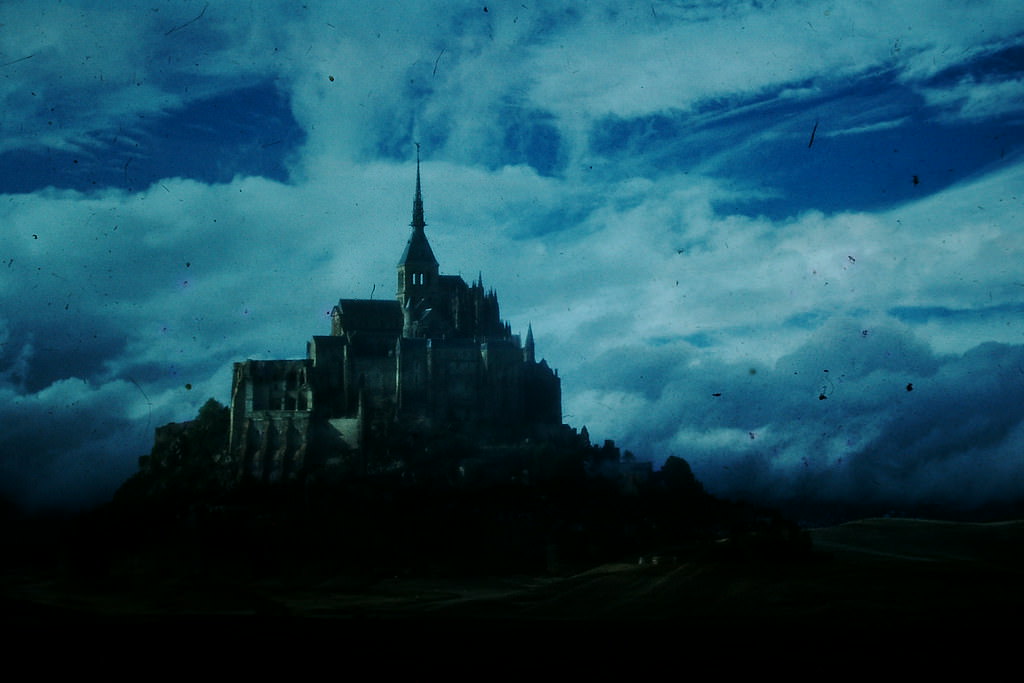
[{"x": 780, "y": 239}]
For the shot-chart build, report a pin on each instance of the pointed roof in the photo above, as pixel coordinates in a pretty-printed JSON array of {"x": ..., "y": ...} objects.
[{"x": 417, "y": 249}]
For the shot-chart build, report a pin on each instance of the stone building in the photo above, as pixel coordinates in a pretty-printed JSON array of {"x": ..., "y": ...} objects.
[{"x": 436, "y": 359}]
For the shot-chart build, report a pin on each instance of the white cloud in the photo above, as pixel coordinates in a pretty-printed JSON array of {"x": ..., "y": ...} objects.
[
  {"x": 871, "y": 127},
  {"x": 973, "y": 100}
]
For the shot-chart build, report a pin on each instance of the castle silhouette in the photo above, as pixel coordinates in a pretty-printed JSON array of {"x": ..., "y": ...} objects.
[{"x": 437, "y": 359}]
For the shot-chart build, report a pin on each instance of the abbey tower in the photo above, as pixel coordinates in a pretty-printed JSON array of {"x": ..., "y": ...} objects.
[{"x": 437, "y": 358}]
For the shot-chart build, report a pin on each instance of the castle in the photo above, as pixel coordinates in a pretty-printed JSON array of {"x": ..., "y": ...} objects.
[{"x": 437, "y": 359}]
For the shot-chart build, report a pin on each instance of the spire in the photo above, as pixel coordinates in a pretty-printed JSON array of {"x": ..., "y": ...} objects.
[
  {"x": 417, "y": 203},
  {"x": 529, "y": 352},
  {"x": 417, "y": 252}
]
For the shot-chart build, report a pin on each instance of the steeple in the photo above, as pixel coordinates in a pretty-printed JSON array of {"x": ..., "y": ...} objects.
[
  {"x": 417, "y": 251},
  {"x": 417, "y": 203},
  {"x": 418, "y": 267},
  {"x": 529, "y": 350}
]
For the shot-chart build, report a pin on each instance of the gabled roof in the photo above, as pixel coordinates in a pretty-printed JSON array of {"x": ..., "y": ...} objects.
[{"x": 370, "y": 315}]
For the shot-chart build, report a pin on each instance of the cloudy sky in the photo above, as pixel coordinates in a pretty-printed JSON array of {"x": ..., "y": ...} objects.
[{"x": 779, "y": 239}]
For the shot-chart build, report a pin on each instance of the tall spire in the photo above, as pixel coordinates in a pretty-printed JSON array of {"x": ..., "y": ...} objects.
[
  {"x": 417, "y": 203},
  {"x": 418, "y": 255}
]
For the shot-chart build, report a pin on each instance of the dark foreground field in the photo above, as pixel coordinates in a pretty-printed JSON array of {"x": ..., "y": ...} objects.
[{"x": 869, "y": 574}]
